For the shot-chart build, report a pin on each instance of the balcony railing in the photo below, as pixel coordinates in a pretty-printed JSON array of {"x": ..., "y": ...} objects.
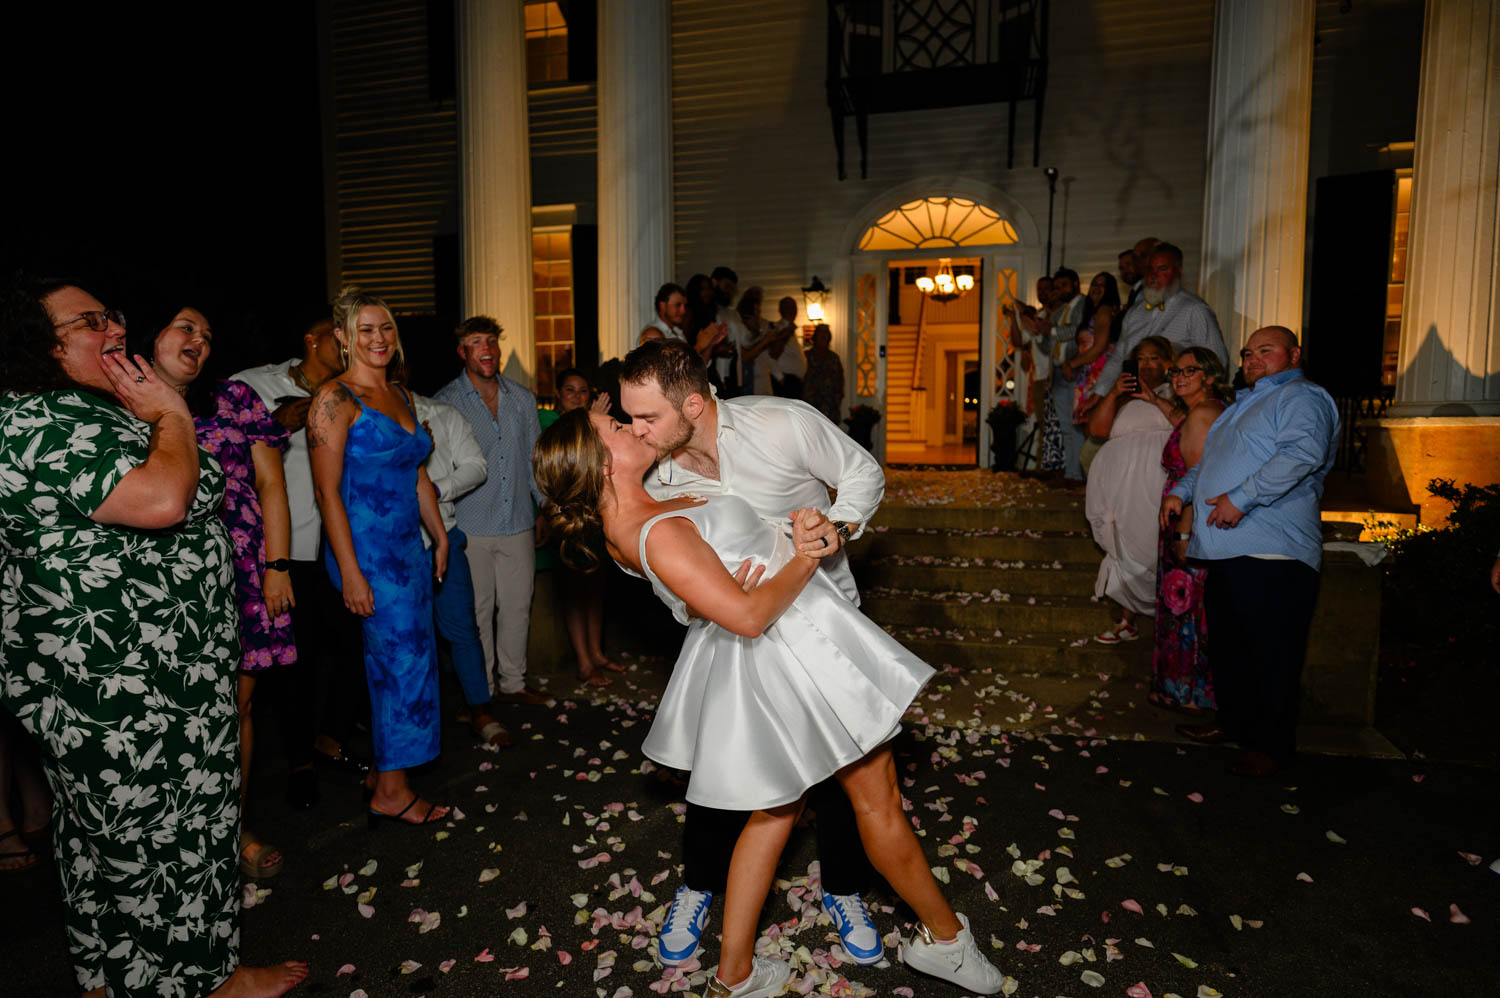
[{"x": 908, "y": 55}]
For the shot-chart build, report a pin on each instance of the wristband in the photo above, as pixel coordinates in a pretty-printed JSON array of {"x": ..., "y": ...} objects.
[
  {"x": 1183, "y": 537},
  {"x": 279, "y": 565}
]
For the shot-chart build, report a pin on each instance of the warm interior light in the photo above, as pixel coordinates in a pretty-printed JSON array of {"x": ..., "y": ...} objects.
[
  {"x": 815, "y": 311},
  {"x": 944, "y": 286}
]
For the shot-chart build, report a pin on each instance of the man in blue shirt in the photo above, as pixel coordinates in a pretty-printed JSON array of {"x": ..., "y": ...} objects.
[
  {"x": 498, "y": 517},
  {"x": 1254, "y": 497}
]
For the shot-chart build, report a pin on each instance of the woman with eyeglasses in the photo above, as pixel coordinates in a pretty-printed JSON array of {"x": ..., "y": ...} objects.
[
  {"x": 234, "y": 425},
  {"x": 1180, "y": 676},
  {"x": 1124, "y": 486},
  {"x": 367, "y": 450},
  {"x": 120, "y": 641}
]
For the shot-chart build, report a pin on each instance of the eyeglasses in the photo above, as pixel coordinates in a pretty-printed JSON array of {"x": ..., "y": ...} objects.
[
  {"x": 96, "y": 320},
  {"x": 1183, "y": 372}
]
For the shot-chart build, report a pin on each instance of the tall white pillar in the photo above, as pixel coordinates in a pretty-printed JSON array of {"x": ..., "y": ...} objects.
[
  {"x": 494, "y": 152},
  {"x": 635, "y": 167},
  {"x": 1450, "y": 325},
  {"x": 1255, "y": 198}
]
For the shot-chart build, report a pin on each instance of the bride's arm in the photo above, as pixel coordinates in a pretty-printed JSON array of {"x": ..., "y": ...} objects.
[{"x": 687, "y": 566}]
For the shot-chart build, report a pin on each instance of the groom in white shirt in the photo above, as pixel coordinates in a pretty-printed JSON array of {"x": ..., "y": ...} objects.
[{"x": 778, "y": 455}]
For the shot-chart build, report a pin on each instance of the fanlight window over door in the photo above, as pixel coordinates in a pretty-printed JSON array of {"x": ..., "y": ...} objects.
[{"x": 935, "y": 222}]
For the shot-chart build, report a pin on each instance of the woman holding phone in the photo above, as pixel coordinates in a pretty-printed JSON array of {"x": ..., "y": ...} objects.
[{"x": 1125, "y": 482}]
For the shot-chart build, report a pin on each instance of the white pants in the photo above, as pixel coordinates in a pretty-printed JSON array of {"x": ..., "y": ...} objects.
[{"x": 504, "y": 571}]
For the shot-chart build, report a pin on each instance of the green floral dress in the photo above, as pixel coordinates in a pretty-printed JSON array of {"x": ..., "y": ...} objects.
[{"x": 118, "y": 650}]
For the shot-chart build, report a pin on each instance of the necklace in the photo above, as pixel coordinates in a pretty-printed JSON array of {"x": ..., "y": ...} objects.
[{"x": 300, "y": 379}]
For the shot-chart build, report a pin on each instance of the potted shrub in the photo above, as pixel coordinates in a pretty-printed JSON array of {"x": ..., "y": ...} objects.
[
  {"x": 1004, "y": 419},
  {"x": 861, "y": 422}
]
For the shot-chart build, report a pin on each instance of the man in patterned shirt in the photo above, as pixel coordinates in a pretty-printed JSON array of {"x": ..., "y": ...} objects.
[{"x": 499, "y": 516}]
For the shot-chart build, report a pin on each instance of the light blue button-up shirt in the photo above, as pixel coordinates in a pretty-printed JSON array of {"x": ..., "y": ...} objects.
[
  {"x": 1269, "y": 453},
  {"x": 502, "y": 505}
]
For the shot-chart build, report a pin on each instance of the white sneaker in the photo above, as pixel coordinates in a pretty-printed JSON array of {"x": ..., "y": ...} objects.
[
  {"x": 683, "y": 926},
  {"x": 856, "y": 928},
  {"x": 767, "y": 977},
  {"x": 959, "y": 962}
]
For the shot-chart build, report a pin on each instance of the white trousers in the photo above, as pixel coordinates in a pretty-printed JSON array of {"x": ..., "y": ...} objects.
[{"x": 504, "y": 570}]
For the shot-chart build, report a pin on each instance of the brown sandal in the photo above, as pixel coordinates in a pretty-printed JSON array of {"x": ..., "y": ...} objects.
[{"x": 27, "y": 856}]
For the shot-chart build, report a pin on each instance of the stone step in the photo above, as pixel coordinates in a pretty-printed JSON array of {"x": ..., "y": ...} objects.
[
  {"x": 1054, "y": 578},
  {"x": 1041, "y": 652},
  {"x": 1063, "y": 516},
  {"x": 1011, "y": 544},
  {"x": 986, "y": 613}
]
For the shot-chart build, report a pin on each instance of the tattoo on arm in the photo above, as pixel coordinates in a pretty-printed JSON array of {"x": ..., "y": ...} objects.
[{"x": 325, "y": 410}]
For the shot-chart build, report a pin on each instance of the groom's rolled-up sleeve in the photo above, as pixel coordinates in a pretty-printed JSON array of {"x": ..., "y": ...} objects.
[{"x": 833, "y": 458}]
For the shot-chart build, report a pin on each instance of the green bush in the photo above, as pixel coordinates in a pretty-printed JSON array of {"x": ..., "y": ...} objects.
[{"x": 1437, "y": 592}]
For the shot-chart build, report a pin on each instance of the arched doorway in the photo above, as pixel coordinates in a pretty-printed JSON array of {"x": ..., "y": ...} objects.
[{"x": 934, "y": 368}]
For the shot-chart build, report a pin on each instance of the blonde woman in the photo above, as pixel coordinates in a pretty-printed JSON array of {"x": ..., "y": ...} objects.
[{"x": 367, "y": 449}]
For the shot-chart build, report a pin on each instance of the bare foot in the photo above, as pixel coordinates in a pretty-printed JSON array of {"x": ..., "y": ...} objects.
[
  {"x": 610, "y": 664},
  {"x": 588, "y": 677},
  {"x": 262, "y": 982}
]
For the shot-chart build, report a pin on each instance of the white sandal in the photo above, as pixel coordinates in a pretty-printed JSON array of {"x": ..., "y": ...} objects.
[{"x": 1122, "y": 632}]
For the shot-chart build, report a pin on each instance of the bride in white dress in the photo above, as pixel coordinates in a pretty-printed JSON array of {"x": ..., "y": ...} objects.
[{"x": 778, "y": 687}]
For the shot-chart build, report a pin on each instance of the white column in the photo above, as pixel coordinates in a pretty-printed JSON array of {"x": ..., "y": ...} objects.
[
  {"x": 1255, "y": 198},
  {"x": 494, "y": 152},
  {"x": 635, "y": 167},
  {"x": 1450, "y": 324}
]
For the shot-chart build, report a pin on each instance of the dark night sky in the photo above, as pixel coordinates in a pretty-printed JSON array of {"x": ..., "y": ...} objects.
[{"x": 166, "y": 156}]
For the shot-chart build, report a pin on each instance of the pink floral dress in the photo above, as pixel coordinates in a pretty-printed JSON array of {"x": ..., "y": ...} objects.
[
  {"x": 1179, "y": 664},
  {"x": 241, "y": 420}
]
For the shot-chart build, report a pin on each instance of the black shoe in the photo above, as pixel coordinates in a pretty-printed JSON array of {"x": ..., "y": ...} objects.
[{"x": 302, "y": 789}]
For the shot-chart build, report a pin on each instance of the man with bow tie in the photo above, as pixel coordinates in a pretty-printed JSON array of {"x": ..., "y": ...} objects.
[{"x": 1164, "y": 309}]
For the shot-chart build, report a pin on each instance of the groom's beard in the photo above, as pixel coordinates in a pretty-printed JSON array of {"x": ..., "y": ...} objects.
[{"x": 677, "y": 441}]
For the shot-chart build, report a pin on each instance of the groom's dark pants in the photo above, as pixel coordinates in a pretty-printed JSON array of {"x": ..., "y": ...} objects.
[{"x": 709, "y": 836}]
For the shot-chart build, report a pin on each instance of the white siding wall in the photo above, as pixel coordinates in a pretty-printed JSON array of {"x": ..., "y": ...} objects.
[{"x": 756, "y": 187}]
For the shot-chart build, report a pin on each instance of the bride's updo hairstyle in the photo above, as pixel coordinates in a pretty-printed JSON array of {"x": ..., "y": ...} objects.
[{"x": 568, "y": 463}]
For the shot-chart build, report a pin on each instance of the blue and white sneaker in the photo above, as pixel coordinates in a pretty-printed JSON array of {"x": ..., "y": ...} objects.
[
  {"x": 684, "y": 925},
  {"x": 856, "y": 928}
]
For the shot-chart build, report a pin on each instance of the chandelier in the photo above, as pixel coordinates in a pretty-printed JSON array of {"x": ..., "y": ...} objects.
[{"x": 945, "y": 287}]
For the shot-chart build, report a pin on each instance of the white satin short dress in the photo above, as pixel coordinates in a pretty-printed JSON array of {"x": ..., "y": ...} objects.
[{"x": 759, "y": 721}]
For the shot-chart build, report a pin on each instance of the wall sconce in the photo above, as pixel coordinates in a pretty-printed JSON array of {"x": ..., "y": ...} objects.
[{"x": 812, "y": 300}]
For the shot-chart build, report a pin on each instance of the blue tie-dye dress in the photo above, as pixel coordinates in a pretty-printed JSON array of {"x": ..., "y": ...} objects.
[{"x": 379, "y": 490}]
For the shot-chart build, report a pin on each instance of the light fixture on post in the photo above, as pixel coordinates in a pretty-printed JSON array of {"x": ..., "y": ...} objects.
[
  {"x": 945, "y": 287},
  {"x": 812, "y": 300}
]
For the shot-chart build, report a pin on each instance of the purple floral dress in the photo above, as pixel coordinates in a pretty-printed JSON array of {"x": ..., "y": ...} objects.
[
  {"x": 240, "y": 420},
  {"x": 1179, "y": 664}
]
